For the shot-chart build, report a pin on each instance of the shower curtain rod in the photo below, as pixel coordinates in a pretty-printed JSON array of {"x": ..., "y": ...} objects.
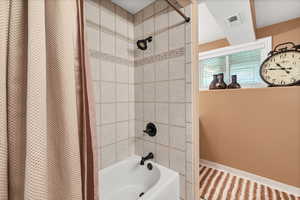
[{"x": 187, "y": 19}]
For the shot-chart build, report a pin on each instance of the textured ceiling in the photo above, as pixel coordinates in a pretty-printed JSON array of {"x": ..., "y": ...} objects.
[{"x": 133, "y": 6}]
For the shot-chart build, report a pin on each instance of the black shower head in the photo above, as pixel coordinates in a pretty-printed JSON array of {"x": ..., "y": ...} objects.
[{"x": 142, "y": 44}]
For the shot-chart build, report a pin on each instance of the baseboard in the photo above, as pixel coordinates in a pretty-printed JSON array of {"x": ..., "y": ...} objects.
[{"x": 262, "y": 180}]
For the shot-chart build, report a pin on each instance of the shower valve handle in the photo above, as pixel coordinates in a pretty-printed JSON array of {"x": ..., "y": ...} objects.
[{"x": 150, "y": 129}]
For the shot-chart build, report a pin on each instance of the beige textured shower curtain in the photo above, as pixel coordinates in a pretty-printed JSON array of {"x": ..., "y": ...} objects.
[{"x": 46, "y": 115}]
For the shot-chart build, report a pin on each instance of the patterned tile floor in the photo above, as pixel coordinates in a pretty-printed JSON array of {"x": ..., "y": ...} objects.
[{"x": 219, "y": 185}]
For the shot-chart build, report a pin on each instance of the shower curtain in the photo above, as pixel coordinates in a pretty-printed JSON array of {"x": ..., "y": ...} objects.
[{"x": 47, "y": 146}]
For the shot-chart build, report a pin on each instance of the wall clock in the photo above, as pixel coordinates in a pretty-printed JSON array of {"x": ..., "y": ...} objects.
[{"x": 282, "y": 67}]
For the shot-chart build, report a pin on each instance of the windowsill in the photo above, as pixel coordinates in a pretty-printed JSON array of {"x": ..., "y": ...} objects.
[{"x": 250, "y": 89}]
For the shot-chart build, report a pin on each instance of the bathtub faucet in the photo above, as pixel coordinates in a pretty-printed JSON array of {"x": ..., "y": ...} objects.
[{"x": 148, "y": 157}]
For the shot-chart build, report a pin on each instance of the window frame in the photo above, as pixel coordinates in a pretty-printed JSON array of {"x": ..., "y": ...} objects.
[{"x": 265, "y": 44}]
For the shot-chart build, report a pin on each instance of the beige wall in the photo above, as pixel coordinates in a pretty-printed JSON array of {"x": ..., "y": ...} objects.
[{"x": 255, "y": 130}]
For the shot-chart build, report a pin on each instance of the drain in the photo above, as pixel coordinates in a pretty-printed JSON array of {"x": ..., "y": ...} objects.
[{"x": 140, "y": 195}]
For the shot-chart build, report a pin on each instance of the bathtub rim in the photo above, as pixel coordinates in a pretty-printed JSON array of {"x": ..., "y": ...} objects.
[{"x": 167, "y": 175}]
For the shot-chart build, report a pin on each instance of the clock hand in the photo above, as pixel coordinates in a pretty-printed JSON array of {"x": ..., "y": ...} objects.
[{"x": 282, "y": 68}]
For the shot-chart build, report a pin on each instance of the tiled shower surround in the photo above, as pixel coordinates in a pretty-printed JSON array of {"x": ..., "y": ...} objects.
[{"x": 134, "y": 87}]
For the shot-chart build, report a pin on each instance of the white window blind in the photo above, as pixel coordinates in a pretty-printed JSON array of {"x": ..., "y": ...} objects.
[
  {"x": 210, "y": 67},
  {"x": 246, "y": 66},
  {"x": 242, "y": 60}
]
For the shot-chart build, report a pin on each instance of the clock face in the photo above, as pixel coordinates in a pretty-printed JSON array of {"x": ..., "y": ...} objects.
[{"x": 282, "y": 69}]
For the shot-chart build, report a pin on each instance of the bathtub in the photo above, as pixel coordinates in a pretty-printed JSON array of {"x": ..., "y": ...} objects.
[{"x": 128, "y": 180}]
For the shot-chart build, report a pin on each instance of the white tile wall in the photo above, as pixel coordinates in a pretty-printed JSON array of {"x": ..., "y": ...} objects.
[
  {"x": 171, "y": 96},
  {"x": 129, "y": 96},
  {"x": 110, "y": 32}
]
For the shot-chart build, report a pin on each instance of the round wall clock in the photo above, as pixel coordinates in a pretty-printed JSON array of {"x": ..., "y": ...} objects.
[{"x": 282, "y": 67}]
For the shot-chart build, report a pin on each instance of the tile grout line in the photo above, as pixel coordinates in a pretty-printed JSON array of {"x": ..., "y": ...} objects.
[{"x": 115, "y": 78}]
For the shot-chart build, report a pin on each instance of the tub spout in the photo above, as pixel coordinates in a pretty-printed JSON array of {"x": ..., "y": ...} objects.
[{"x": 148, "y": 157}]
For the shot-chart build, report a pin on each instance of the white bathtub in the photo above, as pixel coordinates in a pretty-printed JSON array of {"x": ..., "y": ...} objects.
[{"x": 127, "y": 179}]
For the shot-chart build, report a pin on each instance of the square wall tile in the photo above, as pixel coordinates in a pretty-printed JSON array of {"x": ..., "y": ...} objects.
[
  {"x": 108, "y": 92},
  {"x": 139, "y": 92},
  {"x": 177, "y": 37},
  {"x": 108, "y": 155},
  {"x": 161, "y": 42},
  {"x": 139, "y": 127},
  {"x": 131, "y": 128},
  {"x": 149, "y": 112},
  {"x": 108, "y": 134},
  {"x": 122, "y": 150},
  {"x": 122, "y": 93},
  {"x": 139, "y": 74},
  {"x": 188, "y": 53},
  {"x": 97, "y": 86},
  {"x": 122, "y": 131},
  {"x": 98, "y": 114},
  {"x": 92, "y": 38},
  {"x": 177, "y": 114},
  {"x": 122, "y": 111},
  {"x": 149, "y": 73},
  {"x": 95, "y": 68},
  {"x": 139, "y": 111},
  {"x": 162, "y": 136},
  {"x": 108, "y": 113},
  {"x": 161, "y": 21},
  {"x": 182, "y": 186},
  {"x": 177, "y": 137},
  {"x": 107, "y": 71},
  {"x": 177, "y": 91},
  {"x": 162, "y": 155},
  {"x": 177, "y": 68},
  {"x": 131, "y": 111},
  {"x": 162, "y": 70},
  {"x": 131, "y": 96},
  {"x": 107, "y": 15},
  {"x": 162, "y": 91},
  {"x": 130, "y": 30},
  {"x": 92, "y": 12},
  {"x": 131, "y": 75},
  {"x": 107, "y": 43},
  {"x": 162, "y": 113},
  {"x": 189, "y": 132},
  {"x": 149, "y": 92},
  {"x": 139, "y": 31},
  {"x": 177, "y": 161},
  {"x": 148, "y": 147},
  {"x": 131, "y": 146},
  {"x": 121, "y": 26},
  {"x": 148, "y": 27},
  {"x": 98, "y": 136},
  {"x": 139, "y": 147},
  {"x": 188, "y": 33},
  {"x": 121, "y": 48},
  {"x": 122, "y": 73}
]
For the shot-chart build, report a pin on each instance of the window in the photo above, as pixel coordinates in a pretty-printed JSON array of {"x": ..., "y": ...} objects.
[{"x": 242, "y": 60}]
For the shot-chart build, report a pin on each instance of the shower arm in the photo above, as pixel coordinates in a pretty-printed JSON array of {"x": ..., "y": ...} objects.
[{"x": 187, "y": 19}]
